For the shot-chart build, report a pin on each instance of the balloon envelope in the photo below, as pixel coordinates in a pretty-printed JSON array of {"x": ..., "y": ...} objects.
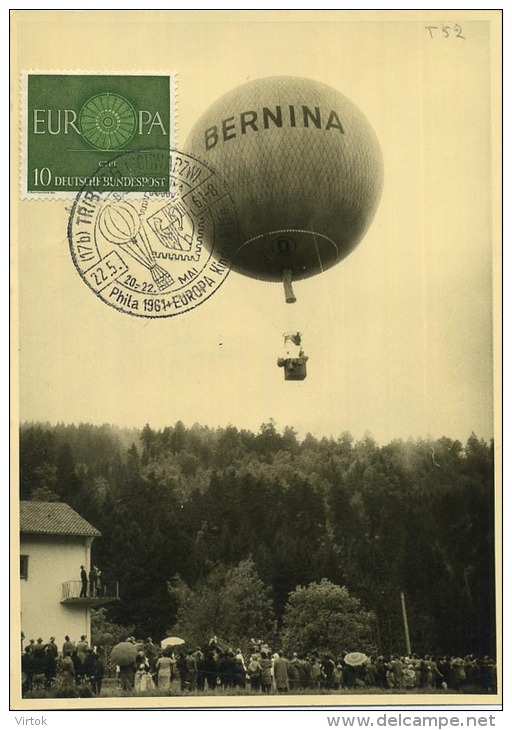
[{"x": 303, "y": 167}]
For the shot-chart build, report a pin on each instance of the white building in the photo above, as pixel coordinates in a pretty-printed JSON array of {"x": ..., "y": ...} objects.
[{"x": 54, "y": 542}]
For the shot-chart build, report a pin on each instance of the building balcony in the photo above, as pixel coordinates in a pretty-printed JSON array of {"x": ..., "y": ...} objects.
[{"x": 105, "y": 593}]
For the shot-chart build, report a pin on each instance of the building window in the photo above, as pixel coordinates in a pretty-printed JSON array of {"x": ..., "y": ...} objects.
[{"x": 24, "y": 566}]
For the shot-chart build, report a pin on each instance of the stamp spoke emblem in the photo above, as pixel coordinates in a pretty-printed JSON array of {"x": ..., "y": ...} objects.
[{"x": 107, "y": 121}]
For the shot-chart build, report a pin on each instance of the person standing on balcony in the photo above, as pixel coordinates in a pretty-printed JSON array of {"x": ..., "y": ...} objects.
[
  {"x": 98, "y": 579},
  {"x": 83, "y": 578},
  {"x": 93, "y": 581}
]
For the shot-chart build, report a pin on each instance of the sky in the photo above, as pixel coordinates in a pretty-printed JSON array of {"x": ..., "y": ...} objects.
[{"x": 399, "y": 335}]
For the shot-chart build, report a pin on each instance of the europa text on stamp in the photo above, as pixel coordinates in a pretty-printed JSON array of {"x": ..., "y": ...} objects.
[
  {"x": 75, "y": 123},
  {"x": 145, "y": 254}
]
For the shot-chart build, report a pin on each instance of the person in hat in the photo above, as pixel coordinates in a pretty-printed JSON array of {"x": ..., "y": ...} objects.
[
  {"x": 38, "y": 652},
  {"x": 210, "y": 666},
  {"x": 201, "y": 673},
  {"x": 409, "y": 676},
  {"x": 266, "y": 672},
  {"x": 164, "y": 665},
  {"x": 68, "y": 646},
  {"x": 27, "y": 669},
  {"x": 294, "y": 672},
  {"x": 83, "y": 578},
  {"x": 191, "y": 670},
  {"x": 82, "y": 647},
  {"x": 397, "y": 668},
  {"x": 317, "y": 675},
  {"x": 98, "y": 579},
  {"x": 337, "y": 677},
  {"x": 52, "y": 646},
  {"x": 99, "y": 669},
  {"x": 50, "y": 667},
  {"x": 328, "y": 667},
  {"x": 139, "y": 674},
  {"x": 458, "y": 673},
  {"x": 281, "y": 672},
  {"x": 240, "y": 670},
  {"x": 93, "y": 581},
  {"x": 79, "y": 656},
  {"x": 67, "y": 670},
  {"x": 254, "y": 672},
  {"x": 39, "y": 663},
  {"x": 370, "y": 671},
  {"x": 151, "y": 652}
]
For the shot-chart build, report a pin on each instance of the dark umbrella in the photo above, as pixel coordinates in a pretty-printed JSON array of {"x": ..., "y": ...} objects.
[
  {"x": 124, "y": 653},
  {"x": 219, "y": 645}
]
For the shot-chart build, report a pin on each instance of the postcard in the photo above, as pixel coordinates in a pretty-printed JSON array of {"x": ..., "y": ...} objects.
[{"x": 256, "y": 338}]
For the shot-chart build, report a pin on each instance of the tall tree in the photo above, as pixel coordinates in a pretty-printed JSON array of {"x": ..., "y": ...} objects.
[
  {"x": 233, "y": 605},
  {"x": 325, "y": 617}
]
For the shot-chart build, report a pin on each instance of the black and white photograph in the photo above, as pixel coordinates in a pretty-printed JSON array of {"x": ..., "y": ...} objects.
[{"x": 256, "y": 359}]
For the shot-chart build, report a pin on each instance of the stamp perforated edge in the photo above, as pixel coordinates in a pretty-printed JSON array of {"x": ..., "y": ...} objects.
[{"x": 68, "y": 195}]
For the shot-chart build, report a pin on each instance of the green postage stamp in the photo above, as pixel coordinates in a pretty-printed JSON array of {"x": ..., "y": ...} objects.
[{"x": 75, "y": 126}]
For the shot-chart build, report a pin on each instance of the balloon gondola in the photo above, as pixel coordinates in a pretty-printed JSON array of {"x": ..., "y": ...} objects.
[
  {"x": 294, "y": 362},
  {"x": 304, "y": 169}
]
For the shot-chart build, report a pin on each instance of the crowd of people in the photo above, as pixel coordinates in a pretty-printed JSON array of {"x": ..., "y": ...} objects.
[
  {"x": 215, "y": 666},
  {"x": 76, "y": 663}
]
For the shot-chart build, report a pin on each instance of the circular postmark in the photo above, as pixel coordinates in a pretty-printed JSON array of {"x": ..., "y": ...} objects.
[{"x": 153, "y": 254}]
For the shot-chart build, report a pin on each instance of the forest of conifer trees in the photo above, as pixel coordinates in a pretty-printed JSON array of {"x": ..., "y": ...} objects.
[{"x": 185, "y": 505}]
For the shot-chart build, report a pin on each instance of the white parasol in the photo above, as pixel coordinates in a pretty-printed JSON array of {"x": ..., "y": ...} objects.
[
  {"x": 355, "y": 658},
  {"x": 171, "y": 641}
]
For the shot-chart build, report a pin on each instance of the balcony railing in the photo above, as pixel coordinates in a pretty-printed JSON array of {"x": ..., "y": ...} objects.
[{"x": 104, "y": 593}]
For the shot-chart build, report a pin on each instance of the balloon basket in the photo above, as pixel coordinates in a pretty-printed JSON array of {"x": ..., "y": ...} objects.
[
  {"x": 161, "y": 278},
  {"x": 294, "y": 368}
]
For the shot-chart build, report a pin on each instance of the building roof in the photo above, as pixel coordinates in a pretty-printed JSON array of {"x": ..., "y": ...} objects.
[{"x": 53, "y": 518}]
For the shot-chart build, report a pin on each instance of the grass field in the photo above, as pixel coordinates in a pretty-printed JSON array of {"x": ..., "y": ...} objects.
[{"x": 111, "y": 688}]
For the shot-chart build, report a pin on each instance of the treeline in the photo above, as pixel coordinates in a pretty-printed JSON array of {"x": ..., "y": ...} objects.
[{"x": 181, "y": 503}]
